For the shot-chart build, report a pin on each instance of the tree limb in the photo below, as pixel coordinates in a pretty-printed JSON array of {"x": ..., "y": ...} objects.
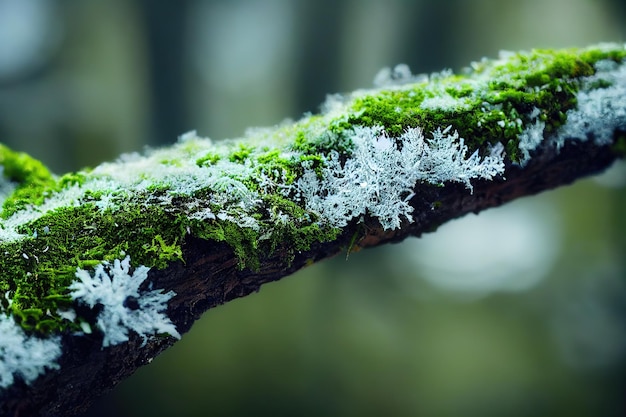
[{"x": 104, "y": 269}]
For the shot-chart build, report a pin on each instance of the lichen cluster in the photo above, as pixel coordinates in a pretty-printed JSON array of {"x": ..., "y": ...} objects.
[
  {"x": 122, "y": 305},
  {"x": 300, "y": 182}
]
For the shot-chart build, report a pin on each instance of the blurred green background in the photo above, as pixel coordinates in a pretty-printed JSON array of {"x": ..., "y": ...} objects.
[{"x": 519, "y": 311}]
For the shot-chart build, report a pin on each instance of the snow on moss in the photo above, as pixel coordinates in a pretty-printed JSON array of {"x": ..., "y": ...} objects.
[
  {"x": 600, "y": 110},
  {"x": 174, "y": 170},
  {"x": 124, "y": 306},
  {"x": 25, "y": 356},
  {"x": 601, "y": 106},
  {"x": 529, "y": 139}
]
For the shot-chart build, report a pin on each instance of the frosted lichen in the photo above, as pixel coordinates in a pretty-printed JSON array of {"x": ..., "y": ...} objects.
[
  {"x": 123, "y": 306},
  {"x": 23, "y": 355},
  {"x": 379, "y": 177}
]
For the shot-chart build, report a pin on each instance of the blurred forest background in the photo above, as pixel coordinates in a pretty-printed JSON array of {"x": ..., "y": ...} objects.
[{"x": 519, "y": 311}]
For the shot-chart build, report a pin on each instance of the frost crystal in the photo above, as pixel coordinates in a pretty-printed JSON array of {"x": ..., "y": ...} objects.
[
  {"x": 24, "y": 356},
  {"x": 379, "y": 175},
  {"x": 124, "y": 307},
  {"x": 530, "y": 139}
]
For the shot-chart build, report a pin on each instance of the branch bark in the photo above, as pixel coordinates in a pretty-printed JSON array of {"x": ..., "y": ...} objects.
[{"x": 214, "y": 222}]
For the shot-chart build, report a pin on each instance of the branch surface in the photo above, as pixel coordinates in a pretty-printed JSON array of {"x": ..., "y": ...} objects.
[{"x": 103, "y": 269}]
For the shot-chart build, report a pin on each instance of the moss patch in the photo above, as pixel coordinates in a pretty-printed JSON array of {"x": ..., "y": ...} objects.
[
  {"x": 488, "y": 111},
  {"x": 38, "y": 269},
  {"x": 211, "y": 158},
  {"x": 32, "y": 178}
]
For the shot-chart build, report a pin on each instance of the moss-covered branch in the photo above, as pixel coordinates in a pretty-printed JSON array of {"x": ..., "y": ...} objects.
[{"x": 103, "y": 269}]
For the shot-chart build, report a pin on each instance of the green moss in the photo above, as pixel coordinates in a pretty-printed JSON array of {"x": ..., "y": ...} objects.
[
  {"x": 546, "y": 80},
  {"x": 243, "y": 240},
  {"x": 273, "y": 157},
  {"x": 394, "y": 110},
  {"x": 210, "y": 158},
  {"x": 38, "y": 270},
  {"x": 158, "y": 189},
  {"x": 314, "y": 162},
  {"x": 478, "y": 125},
  {"x": 241, "y": 154},
  {"x": 70, "y": 179},
  {"x": 333, "y": 138},
  {"x": 171, "y": 162},
  {"x": 164, "y": 252},
  {"x": 594, "y": 55},
  {"x": 301, "y": 231},
  {"x": 278, "y": 167},
  {"x": 32, "y": 178}
]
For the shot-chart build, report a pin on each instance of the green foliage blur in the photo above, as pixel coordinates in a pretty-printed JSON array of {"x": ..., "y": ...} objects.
[{"x": 519, "y": 311}]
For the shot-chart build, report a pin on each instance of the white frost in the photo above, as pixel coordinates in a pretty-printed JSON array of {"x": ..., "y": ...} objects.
[
  {"x": 23, "y": 355},
  {"x": 124, "y": 307},
  {"x": 529, "y": 139},
  {"x": 379, "y": 176},
  {"x": 601, "y": 106}
]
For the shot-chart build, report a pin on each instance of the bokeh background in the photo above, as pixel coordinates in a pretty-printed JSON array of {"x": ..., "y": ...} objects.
[{"x": 519, "y": 311}]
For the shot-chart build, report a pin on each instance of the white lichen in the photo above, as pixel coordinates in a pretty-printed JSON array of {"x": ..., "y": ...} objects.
[
  {"x": 445, "y": 102},
  {"x": 124, "y": 307},
  {"x": 379, "y": 176},
  {"x": 174, "y": 169},
  {"x": 25, "y": 356}
]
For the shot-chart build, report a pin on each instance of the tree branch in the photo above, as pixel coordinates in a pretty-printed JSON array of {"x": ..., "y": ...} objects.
[{"x": 104, "y": 269}]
